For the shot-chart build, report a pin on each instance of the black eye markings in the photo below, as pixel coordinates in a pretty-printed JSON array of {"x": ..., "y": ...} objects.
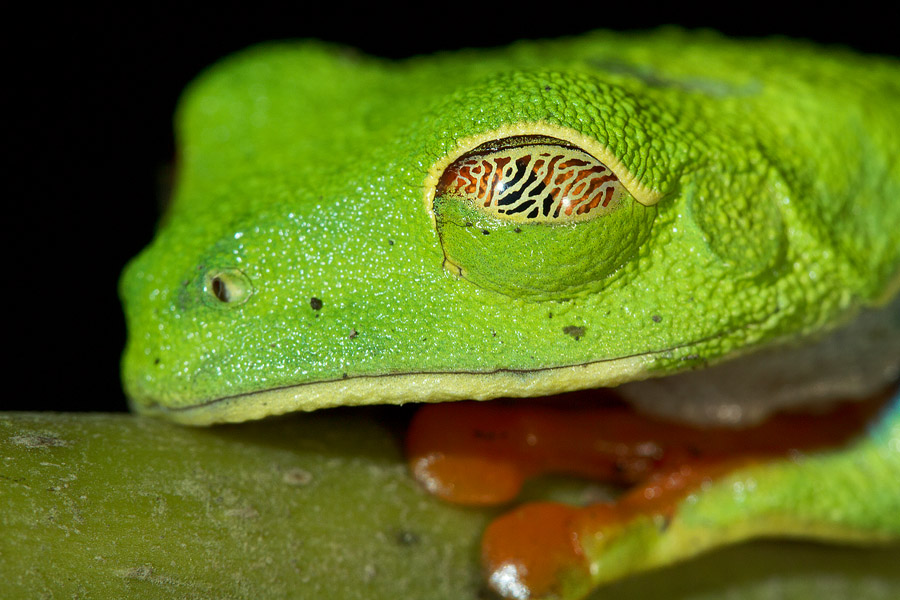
[
  {"x": 536, "y": 217},
  {"x": 533, "y": 178}
]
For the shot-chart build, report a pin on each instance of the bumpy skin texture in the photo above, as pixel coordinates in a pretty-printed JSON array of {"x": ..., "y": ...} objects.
[
  {"x": 772, "y": 167},
  {"x": 302, "y": 265}
]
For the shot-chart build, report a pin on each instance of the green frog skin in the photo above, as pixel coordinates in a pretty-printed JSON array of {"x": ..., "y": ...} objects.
[{"x": 549, "y": 217}]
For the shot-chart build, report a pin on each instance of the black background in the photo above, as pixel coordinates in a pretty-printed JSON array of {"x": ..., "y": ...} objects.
[{"x": 89, "y": 138}]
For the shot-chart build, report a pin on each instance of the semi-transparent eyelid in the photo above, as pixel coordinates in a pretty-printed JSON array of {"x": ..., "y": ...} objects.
[
  {"x": 533, "y": 179},
  {"x": 536, "y": 217}
]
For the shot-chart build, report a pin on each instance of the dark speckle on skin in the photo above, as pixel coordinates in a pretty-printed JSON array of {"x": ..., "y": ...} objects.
[
  {"x": 407, "y": 538},
  {"x": 574, "y": 331},
  {"x": 656, "y": 318},
  {"x": 489, "y": 435},
  {"x": 315, "y": 303}
]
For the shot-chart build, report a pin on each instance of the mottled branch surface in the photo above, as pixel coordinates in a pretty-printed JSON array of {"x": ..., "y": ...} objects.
[{"x": 312, "y": 506}]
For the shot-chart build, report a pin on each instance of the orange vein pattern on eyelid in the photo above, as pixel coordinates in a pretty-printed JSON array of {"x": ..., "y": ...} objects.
[
  {"x": 537, "y": 179},
  {"x": 535, "y": 216}
]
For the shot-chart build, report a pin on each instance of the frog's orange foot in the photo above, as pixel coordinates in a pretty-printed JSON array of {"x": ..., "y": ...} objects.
[
  {"x": 535, "y": 552},
  {"x": 464, "y": 453},
  {"x": 545, "y": 550},
  {"x": 481, "y": 453}
]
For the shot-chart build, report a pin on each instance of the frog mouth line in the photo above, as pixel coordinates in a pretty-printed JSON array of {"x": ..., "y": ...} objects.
[
  {"x": 870, "y": 337},
  {"x": 402, "y": 388},
  {"x": 426, "y": 386}
]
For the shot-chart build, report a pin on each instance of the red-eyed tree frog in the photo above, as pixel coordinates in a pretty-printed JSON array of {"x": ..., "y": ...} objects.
[{"x": 708, "y": 226}]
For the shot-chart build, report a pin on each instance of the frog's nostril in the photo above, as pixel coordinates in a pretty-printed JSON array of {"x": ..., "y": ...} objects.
[
  {"x": 226, "y": 287},
  {"x": 220, "y": 290}
]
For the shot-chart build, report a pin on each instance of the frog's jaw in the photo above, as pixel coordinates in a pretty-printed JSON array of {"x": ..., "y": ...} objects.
[
  {"x": 343, "y": 297},
  {"x": 737, "y": 392},
  {"x": 403, "y": 388}
]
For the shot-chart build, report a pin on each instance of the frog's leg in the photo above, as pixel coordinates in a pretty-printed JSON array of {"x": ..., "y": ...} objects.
[{"x": 698, "y": 488}]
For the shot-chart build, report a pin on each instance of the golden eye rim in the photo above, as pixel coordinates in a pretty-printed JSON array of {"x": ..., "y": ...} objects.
[{"x": 638, "y": 191}]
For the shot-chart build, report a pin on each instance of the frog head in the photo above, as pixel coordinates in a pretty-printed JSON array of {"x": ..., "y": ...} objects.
[{"x": 524, "y": 222}]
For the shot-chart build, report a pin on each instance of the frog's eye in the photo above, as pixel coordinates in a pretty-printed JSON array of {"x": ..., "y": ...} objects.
[
  {"x": 226, "y": 287},
  {"x": 534, "y": 216},
  {"x": 533, "y": 182}
]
